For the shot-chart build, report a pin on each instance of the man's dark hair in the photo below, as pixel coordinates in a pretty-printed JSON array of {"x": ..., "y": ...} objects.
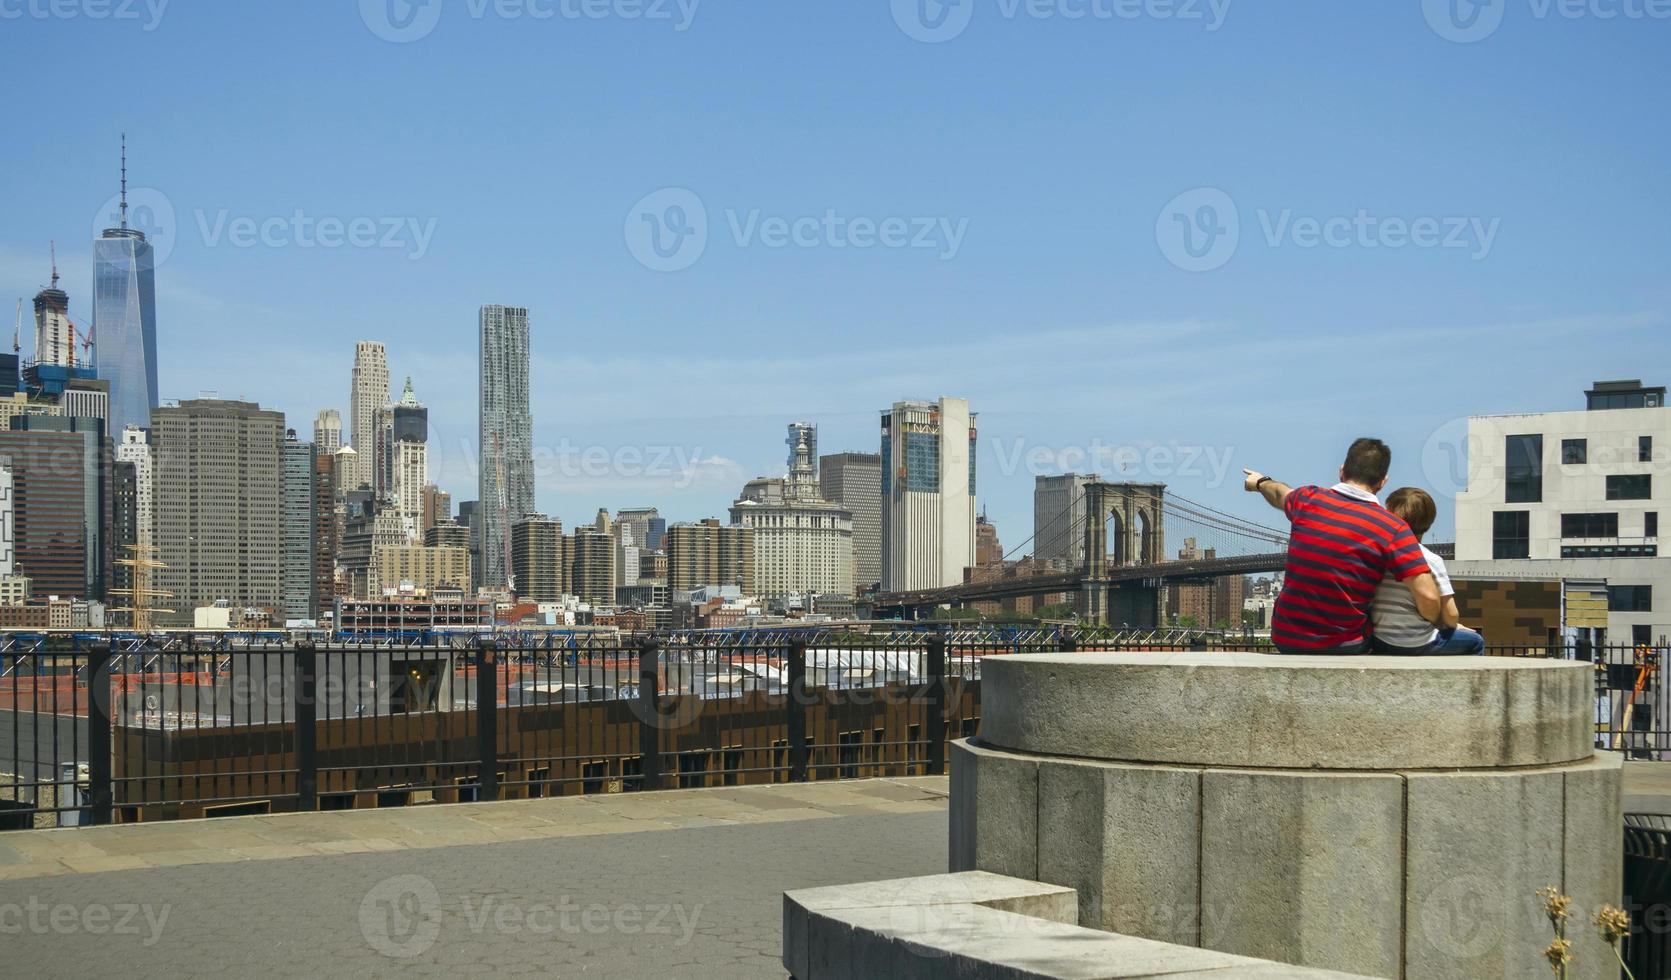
[{"x": 1367, "y": 462}]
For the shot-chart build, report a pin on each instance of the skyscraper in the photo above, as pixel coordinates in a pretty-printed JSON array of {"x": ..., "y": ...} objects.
[
  {"x": 409, "y": 436},
  {"x": 62, "y": 475},
  {"x": 220, "y": 514},
  {"x": 506, "y": 473},
  {"x": 539, "y": 555},
  {"x": 854, "y": 480},
  {"x": 327, "y": 431},
  {"x": 54, "y": 337},
  {"x": 125, "y": 318},
  {"x": 135, "y": 448},
  {"x": 1059, "y": 518},
  {"x": 327, "y": 530},
  {"x": 928, "y": 494},
  {"x": 300, "y": 513},
  {"x": 368, "y": 393}
]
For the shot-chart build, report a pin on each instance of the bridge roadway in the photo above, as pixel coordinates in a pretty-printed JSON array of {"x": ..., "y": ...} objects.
[{"x": 1037, "y": 585}]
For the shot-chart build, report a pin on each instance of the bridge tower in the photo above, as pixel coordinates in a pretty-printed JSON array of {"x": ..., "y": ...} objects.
[{"x": 1139, "y": 510}]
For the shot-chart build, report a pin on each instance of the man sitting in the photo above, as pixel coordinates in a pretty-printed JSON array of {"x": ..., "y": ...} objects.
[
  {"x": 1342, "y": 545},
  {"x": 1399, "y": 629}
]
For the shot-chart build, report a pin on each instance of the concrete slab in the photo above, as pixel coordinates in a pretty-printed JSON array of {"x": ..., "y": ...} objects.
[
  {"x": 914, "y": 932},
  {"x": 1242, "y": 710},
  {"x": 1592, "y": 872},
  {"x": 1303, "y": 868},
  {"x": 994, "y": 813},
  {"x": 1480, "y": 847},
  {"x": 1127, "y": 839}
]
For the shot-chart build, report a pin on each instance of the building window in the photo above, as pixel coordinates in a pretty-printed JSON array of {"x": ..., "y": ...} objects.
[
  {"x": 1589, "y": 525},
  {"x": 1630, "y": 598},
  {"x": 1630, "y": 486},
  {"x": 1575, "y": 452},
  {"x": 1524, "y": 469},
  {"x": 1650, "y": 524},
  {"x": 1645, "y": 449},
  {"x": 1609, "y": 551},
  {"x": 1511, "y": 534}
]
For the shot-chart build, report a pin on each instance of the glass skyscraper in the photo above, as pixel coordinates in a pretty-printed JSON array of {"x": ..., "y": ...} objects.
[
  {"x": 507, "y": 466},
  {"x": 125, "y": 324}
]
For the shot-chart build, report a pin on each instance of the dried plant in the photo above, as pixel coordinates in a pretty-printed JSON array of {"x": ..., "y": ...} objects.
[
  {"x": 1558, "y": 908},
  {"x": 1614, "y": 924}
]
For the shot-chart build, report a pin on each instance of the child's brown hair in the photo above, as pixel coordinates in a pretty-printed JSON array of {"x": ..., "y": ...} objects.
[{"x": 1415, "y": 506}]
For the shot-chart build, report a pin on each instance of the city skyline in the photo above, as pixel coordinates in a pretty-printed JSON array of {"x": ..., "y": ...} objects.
[{"x": 1060, "y": 315}]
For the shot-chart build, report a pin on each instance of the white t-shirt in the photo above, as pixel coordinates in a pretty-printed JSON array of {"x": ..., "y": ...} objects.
[{"x": 1394, "y": 614}]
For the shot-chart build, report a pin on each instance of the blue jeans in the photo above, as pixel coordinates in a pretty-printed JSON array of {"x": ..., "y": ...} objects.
[{"x": 1458, "y": 642}]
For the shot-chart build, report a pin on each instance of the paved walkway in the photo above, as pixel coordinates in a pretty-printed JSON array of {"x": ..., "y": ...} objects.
[{"x": 678, "y": 884}]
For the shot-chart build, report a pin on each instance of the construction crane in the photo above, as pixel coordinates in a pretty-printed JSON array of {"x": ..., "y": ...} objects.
[
  {"x": 139, "y": 597},
  {"x": 1647, "y": 662}
]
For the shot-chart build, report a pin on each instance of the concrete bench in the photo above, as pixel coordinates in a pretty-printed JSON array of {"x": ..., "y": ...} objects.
[{"x": 976, "y": 924}]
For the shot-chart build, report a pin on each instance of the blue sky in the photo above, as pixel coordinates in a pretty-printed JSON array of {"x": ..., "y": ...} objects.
[{"x": 1046, "y": 163}]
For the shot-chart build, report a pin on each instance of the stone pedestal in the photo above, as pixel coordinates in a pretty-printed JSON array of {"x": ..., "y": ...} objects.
[{"x": 1392, "y": 817}]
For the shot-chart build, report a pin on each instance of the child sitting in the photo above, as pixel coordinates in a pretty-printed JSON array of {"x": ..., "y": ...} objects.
[{"x": 1399, "y": 629}]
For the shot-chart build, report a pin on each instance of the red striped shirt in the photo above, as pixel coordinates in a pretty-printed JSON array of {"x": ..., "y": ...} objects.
[{"x": 1339, "y": 550}]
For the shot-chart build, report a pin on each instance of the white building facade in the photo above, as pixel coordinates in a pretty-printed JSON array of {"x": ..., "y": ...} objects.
[
  {"x": 368, "y": 393},
  {"x": 928, "y": 494},
  {"x": 135, "y": 448},
  {"x": 1575, "y": 495},
  {"x": 802, "y": 542}
]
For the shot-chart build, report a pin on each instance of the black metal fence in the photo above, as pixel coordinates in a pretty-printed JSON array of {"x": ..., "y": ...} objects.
[
  {"x": 92, "y": 735},
  {"x": 97, "y": 733}
]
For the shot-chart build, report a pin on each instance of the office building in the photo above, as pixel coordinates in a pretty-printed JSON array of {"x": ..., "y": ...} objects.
[
  {"x": 437, "y": 506},
  {"x": 592, "y": 563},
  {"x": 299, "y": 601},
  {"x": 327, "y": 530},
  {"x": 854, "y": 481},
  {"x": 647, "y": 525},
  {"x": 11, "y": 375},
  {"x": 135, "y": 448},
  {"x": 1575, "y": 496},
  {"x": 470, "y": 520},
  {"x": 55, "y": 338},
  {"x": 418, "y": 568},
  {"x": 540, "y": 558},
  {"x": 447, "y": 533},
  {"x": 708, "y": 553},
  {"x": 989, "y": 551},
  {"x": 63, "y": 503},
  {"x": 802, "y": 542},
  {"x": 1059, "y": 517},
  {"x": 125, "y": 318},
  {"x": 928, "y": 494},
  {"x": 220, "y": 468},
  {"x": 327, "y": 431},
  {"x": 368, "y": 392},
  {"x": 124, "y": 531},
  {"x": 369, "y": 529},
  {"x": 409, "y": 435},
  {"x": 8, "y": 522},
  {"x": 507, "y": 468}
]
